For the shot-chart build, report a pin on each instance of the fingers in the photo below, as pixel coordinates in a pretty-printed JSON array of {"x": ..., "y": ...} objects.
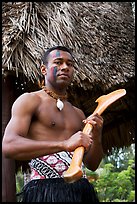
[
  {"x": 88, "y": 144},
  {"x": 87, "y": 149},
  {"x": 85, "y": 140},
  {"x": 94, "y": 120}
]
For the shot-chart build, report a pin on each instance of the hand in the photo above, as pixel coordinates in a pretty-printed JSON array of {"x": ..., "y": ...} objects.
[
  {"x": 77, "y": 140},
  {"x": 97, "y": 122}
]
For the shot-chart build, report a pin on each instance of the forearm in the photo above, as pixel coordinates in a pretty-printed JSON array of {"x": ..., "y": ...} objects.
[
  {"x": 26, "y": 149},
  {"x": 94, "y": 156}
]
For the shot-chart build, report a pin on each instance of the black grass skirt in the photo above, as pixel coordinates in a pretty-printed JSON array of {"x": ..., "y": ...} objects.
[{"x": 57, "y": 190}]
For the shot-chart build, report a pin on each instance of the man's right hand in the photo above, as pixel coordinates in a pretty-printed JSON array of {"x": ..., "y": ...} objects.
[{"x": 77, "y": 140}]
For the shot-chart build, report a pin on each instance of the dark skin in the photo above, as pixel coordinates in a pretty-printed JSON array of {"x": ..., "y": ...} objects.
[{"x": 38, "y": 128}]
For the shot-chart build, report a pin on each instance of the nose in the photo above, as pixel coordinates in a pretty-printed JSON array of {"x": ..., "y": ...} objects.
[{"x": 64, "y": 67}]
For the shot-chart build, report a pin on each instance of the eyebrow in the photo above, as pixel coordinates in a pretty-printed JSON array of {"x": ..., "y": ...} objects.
[{"x": 60, "y": 58}]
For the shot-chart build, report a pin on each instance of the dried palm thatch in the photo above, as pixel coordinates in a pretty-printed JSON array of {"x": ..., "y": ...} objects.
[{"x": 101, "y": 36}]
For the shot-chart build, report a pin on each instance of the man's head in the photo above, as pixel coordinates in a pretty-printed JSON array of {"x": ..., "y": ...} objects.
[{"x": 58, "y": 66}]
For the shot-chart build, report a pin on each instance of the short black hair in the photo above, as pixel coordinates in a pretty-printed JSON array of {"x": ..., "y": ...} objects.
[{"x": 58, "y": 47}]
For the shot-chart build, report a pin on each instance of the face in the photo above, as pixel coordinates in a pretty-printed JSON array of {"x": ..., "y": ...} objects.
[{"x": 60, "y": 67}]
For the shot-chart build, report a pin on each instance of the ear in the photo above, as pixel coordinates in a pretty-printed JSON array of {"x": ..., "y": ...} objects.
[{"x": 43, "y": 69}]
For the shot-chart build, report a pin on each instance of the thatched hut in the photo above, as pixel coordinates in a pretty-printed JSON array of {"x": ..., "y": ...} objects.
[{"x": 101, "y": 36}]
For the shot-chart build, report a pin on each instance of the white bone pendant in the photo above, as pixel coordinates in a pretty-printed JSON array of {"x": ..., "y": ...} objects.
[{"x": 60, "y": 104}]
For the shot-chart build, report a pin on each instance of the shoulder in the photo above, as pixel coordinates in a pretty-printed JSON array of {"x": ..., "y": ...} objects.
[
  {"x": 79, "y": 112},
  {"x": 27, "y": 101},
  {"x": 28, "y": 97}
]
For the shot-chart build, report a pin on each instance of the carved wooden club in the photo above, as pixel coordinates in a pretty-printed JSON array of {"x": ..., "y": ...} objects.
[{"x": 74, "y": 171}]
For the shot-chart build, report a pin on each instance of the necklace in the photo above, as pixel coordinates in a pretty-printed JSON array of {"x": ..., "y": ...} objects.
[{"x": 59, "y": 98}]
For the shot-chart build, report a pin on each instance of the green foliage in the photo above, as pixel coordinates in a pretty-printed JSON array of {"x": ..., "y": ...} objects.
[
  {"x": 116, "y": 186},
  {"x": 131, "y": 196},
  {"x": 19, "y": 181},
  {"x": 116, "y": 176}
]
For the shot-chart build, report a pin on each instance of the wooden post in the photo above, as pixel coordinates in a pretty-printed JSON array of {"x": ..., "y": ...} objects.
[{"x": 8, "y": 165}]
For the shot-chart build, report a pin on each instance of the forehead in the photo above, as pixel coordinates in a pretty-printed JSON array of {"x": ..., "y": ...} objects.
[{"x": 60, "y": 54}]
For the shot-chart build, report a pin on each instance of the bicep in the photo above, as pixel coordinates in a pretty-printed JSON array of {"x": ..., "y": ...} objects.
[
  {"x": 22, "y": 111},
  {"x": 81, "y": 116},
  {"x": 18, "y": 125}
]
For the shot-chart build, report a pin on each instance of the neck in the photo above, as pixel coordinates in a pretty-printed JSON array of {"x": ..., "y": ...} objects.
[
  {"x": 59, "y": 89},
  {"x": 55, "y": 95}
]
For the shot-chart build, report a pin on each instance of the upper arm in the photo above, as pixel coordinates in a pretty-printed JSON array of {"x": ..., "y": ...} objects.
[
  {"x": 22, "y": 110},
  {"x": 81, "y": 115}
]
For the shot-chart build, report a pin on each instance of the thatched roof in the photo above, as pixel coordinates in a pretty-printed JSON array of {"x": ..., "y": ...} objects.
[{"x": 101, "y": 36}]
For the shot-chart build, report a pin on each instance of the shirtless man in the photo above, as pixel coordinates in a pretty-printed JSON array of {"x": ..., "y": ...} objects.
[{"x": 46, "y": 131}]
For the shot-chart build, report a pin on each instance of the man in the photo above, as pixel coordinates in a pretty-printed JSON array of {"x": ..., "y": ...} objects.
[{"x": 45, "y": 128}]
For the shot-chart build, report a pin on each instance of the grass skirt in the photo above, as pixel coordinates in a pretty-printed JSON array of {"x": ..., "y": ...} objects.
[{"x": 57, "y": 190}]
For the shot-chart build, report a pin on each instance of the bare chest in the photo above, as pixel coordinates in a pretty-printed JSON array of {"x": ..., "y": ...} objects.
[{"x": 51, "y": 120}]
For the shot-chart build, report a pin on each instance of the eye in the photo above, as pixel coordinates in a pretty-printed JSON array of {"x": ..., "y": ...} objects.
[
  {"x": 70, "y": 64},
  {"x": 58, "y": 62}
]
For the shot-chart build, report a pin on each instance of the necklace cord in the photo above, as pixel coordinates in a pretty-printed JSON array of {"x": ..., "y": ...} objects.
[{"x": 54, "y": 95}]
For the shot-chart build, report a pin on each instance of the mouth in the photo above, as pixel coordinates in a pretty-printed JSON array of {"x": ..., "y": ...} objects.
[{"x": 64, "y": 75}]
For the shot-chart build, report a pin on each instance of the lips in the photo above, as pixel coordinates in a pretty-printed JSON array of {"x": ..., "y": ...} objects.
[{"x": 64, "y": 75}]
